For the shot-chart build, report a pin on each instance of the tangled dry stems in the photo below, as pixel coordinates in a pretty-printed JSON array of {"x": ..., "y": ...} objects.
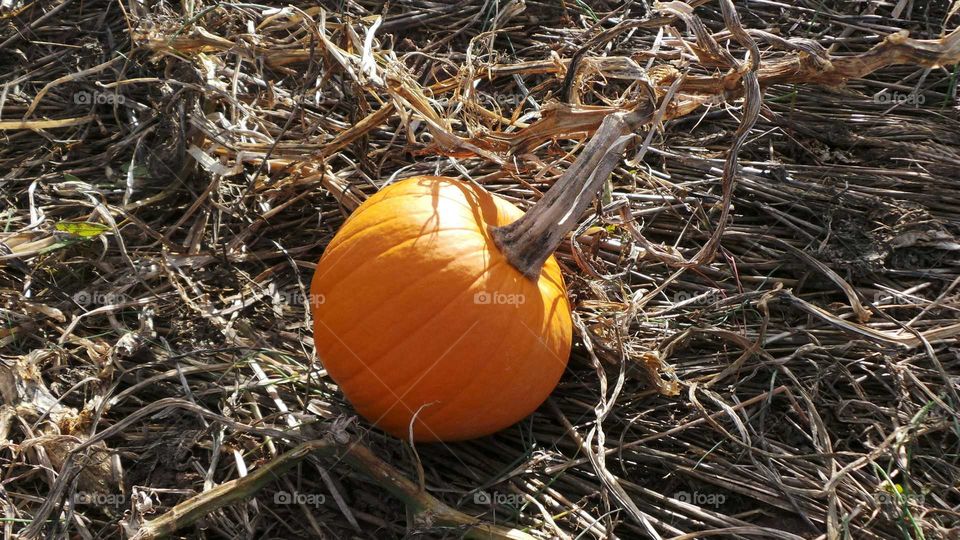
[{"x": 171, "y": 175}]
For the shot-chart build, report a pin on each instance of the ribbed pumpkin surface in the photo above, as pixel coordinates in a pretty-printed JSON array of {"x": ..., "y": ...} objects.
[{"x": 417, "y": 313}]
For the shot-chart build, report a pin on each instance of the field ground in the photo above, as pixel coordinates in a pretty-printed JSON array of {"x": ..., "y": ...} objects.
[{"x": 170, "y": 174}]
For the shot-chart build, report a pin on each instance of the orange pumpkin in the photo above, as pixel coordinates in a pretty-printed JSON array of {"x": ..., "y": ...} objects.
[
  {"x": 438, "y": 307},
  {"x": 423, "y": 322}
]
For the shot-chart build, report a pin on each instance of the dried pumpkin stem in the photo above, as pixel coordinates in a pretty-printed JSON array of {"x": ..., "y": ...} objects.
[{"x": 530, "y": 240}]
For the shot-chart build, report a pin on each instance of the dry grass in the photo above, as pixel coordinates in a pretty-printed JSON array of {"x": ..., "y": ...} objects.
[{"x": 171, "y": 173}]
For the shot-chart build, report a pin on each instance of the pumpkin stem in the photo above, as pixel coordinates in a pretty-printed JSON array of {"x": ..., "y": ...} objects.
[{"x": 529, "y": 241}]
